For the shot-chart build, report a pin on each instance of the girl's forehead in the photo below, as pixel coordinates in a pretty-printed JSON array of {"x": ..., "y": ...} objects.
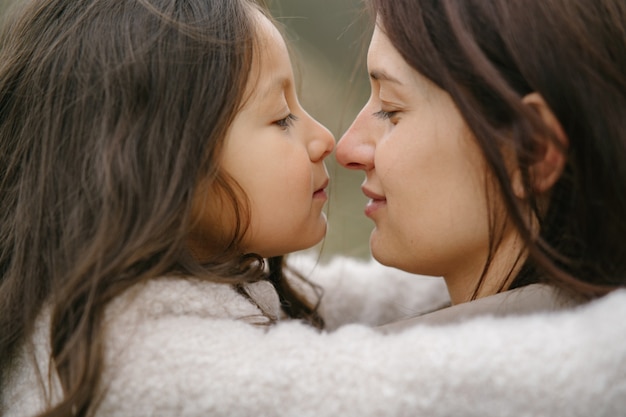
[
  {"x": 270, "y": 47},
  {"x": 267, "y": 34},
  {"x": 271, "y": 70}
]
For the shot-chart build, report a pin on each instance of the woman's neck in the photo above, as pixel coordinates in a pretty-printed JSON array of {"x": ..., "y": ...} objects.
[{"x": 472, "y": 281}]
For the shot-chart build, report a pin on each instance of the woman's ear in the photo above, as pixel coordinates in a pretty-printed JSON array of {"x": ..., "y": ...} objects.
[{"x": 551, "y": 154}]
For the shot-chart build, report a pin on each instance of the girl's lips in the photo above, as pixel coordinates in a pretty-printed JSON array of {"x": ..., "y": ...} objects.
[{"x": 321, "y": 192}]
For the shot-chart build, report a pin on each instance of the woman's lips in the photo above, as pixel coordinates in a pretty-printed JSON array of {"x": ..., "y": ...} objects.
[
  {"x": 373, "y": 206},
  {"x": 376, "y": 202}
]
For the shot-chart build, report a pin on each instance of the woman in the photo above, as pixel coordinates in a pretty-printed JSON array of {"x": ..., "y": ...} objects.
[{"x": 494, "y": 148}]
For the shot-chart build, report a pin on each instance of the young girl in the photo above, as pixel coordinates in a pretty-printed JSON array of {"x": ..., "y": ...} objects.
[
  {"x": 145, "y": 139},
  {"x": 153, "y": 153},
  {"x": 134, "y": 148}
]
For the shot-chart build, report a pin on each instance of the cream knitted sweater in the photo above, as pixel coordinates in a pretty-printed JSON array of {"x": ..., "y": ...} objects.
[{"x": 186, "y": 348}]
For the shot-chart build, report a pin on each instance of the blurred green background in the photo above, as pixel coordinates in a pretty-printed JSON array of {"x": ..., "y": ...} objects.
[{"x": 329, "y": 41}]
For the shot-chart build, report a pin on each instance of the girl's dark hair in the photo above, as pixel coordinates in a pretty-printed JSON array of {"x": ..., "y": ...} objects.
[
  {"x": 489, "y": 54},
  {"x": 111, "y": 113}
]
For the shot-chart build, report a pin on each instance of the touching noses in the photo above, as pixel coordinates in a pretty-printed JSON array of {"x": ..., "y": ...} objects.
[
  {"x": 355, "y": 149},
  {"x": 322, "y": 142}
]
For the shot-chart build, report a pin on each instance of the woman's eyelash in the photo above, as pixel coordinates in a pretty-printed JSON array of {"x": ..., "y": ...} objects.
[
  {"x": 384, "y": 115},
  {"x": 287, "y": 121}
]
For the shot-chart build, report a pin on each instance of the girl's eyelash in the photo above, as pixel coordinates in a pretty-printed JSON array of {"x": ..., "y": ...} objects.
[
  {"x": 384, "y": 115},
  {"x": 287, "y": 122}
]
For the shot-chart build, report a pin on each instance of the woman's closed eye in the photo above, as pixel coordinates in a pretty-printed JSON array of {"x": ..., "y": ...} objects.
[
  {"x": 286, "y": 122},
  {"x": 385, "y": 115}
]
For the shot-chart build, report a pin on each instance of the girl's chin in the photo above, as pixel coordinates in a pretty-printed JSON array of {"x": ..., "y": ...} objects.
[{"x": 307, "y": 242}]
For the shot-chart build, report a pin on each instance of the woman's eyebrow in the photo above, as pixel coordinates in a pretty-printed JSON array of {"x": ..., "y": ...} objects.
[{"x": 379, "y": 75}]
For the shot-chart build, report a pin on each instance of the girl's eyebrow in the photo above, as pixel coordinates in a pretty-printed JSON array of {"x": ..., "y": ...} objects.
[{"x": 277, "y": 84}]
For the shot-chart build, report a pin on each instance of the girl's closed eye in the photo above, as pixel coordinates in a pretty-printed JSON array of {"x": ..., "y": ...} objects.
[{"x": 287, "y": 122}]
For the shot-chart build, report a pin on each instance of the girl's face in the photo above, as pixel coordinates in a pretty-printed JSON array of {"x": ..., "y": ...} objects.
[
  {"x": 275, "y": 151},
  {"x": 425, "y": 175}
]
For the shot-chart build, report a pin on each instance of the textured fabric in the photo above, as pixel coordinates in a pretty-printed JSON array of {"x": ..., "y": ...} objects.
[
  {"x": 174, "y": 350},
  {"x": 530, "y": 299}
]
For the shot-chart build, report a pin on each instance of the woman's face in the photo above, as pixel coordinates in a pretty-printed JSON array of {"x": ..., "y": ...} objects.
[
  {"x": 425, "y": 175},
  {"x": 275, "y": 151}
]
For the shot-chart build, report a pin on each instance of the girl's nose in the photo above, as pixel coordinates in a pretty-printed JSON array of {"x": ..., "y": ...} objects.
[
  {"x": 322, "y": 144},
  {"x": 355, "y": 149}
]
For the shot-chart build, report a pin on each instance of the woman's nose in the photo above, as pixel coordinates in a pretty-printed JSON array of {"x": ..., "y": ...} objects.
[
  {"x": 356, "y": 147},
  {"x": 322, "y": 144}
]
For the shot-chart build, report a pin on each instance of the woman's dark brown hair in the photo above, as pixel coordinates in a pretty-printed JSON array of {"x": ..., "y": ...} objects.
[
  {"x": 488, "y": 55},
  {"x": 111, "y": 113}
]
